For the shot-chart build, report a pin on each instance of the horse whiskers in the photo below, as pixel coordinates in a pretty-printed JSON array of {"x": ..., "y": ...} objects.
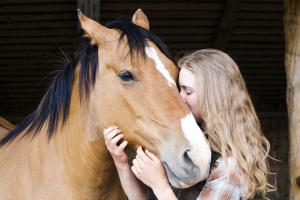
[
  {"x": 53, "y": 73},
  {"x": 64, "y": 53}
]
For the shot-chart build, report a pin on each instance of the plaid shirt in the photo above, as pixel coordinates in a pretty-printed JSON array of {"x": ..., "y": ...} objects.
[{"x": 222, "y": 183}]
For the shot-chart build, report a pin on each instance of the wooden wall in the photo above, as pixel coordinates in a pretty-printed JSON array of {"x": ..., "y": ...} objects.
[
  {"x": 251, "y": 31},
  {"x": 32, "y": 32}
]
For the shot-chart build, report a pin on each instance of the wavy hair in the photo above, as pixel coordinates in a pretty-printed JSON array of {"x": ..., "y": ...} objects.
[{"x": 229, "y": 117}]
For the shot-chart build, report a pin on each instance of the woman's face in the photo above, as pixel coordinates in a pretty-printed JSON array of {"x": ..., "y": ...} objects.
[{"x": 188, "y": 85}]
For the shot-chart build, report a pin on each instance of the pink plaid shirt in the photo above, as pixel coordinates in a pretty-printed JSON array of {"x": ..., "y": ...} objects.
[{"x": 222, "y": 183}]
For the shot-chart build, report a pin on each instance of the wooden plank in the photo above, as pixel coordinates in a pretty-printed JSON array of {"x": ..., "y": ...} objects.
[
  {"x": 226, "y": 24},
  {"x": 256, "y": 72},
  {"x": 158, "y": 1},
  {"x": 183, "y": 38},
  {"x": 29, "y": 61},
  {"x": 262, "y": 73},
  {"x": 262, "y": 7},
  {"x": 157, "y": 15},
  {"x": 39, "y": 8},
  {"x": 40, "y": 72},
  {"x": 183, "y": 23},
  {"x": 37, "y": 17},
  {"x": 130, "y": 7},
  {"x": 292, "y": 64},
  {"x": 264, "y": 1},
  {"x": 180, "y": 31},
  {"x": 258, "y": 31},
  {"x": 18, "y": 2},
  {"x": 263, "y": 52},
  {"x": 51, "y": 53},
  {"x": 46, "y": 24},
  {"x": 260, "y": 16},
  {"x": 266, "y": 59},
  {"x": 38, "y": 47},
  {"x": 259, "y": 23},
  {"x": 34, "y": 40},
  {"x": 190, "y": 46},
  {"x": 36, "y": 33},
  {"x": 241, "y": 45},
  {"x": 257, "y": 38}
]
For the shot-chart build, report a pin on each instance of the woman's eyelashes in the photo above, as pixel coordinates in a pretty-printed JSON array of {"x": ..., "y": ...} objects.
[{"x": 187, "y": 90}]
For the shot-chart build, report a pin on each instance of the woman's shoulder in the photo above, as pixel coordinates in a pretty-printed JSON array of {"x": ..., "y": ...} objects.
[
  {"x": 223, "y": 181},
  {"x": 224, "y": 168}
]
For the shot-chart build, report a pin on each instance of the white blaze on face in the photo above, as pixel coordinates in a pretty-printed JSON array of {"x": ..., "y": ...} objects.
[
  {"x": 200, "y": 153},
  {"x": 151, "y": 53}
]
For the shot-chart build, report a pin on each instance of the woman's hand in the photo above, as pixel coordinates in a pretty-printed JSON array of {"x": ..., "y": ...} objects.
[
  {"x": 129, "y": 182},
  {"x": 112, "y": 136},
  {"x": 149, "y": 169}
]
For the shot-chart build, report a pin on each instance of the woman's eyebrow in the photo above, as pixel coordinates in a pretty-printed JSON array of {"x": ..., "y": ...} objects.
[{"x": 185, "y": 87}]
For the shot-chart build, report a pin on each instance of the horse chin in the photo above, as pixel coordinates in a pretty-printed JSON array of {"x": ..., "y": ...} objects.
[{"x": 174, "y": 180}]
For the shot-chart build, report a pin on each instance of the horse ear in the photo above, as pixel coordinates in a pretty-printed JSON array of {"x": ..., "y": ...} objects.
[
  {"x": 95, "y": 31},
  {"x": 139, "y": 18}
]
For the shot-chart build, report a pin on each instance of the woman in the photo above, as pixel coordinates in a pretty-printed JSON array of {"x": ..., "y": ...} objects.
[{"x": 213, "y": 88}]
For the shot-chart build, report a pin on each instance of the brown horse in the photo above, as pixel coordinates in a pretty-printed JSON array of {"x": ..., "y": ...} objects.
[
  {"x": 5, "y": 127},
  {"x": 122, "y": 75}
]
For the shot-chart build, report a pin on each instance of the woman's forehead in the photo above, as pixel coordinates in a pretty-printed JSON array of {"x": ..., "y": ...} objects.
[{"x": 187, "y": 78}]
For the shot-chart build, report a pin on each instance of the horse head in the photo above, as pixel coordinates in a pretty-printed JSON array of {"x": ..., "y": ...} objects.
[{"x": 135, "y": 89}]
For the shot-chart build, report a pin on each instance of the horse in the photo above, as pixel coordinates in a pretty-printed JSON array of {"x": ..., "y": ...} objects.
[
  {"x": 122, "y": 75},
  {"x": 5, "y": 127}
]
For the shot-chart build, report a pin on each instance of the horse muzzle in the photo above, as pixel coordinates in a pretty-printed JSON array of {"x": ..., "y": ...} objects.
[{"x": 182, "y": 172}]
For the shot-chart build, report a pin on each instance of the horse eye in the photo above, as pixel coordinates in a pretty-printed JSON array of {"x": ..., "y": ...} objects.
[{"x": 126, "y": 76}]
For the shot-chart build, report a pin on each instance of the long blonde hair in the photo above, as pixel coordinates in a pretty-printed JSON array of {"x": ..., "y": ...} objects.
[{"x": 230, "y": 121}]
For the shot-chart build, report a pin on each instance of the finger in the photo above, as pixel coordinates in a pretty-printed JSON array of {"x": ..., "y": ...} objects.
[
  {"x": 113, "y": 143},
  {"x": 109, "y": 136},
  {"x": 113, "y": 134},
  {"x": 134, "y": 170},
  {"x": 109, "y": 129},
  {"x": 136, "y": 165},
  {"x": 123, "y": 145},
  {"x": 141, "y": 154},
  {"x": 151, "y": 155},
  {"x": 141, "y": 162},
  {"x": 116, "y": 139}
]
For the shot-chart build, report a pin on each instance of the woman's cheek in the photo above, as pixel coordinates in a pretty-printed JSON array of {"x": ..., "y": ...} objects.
[{"x": 194, "y": 107}]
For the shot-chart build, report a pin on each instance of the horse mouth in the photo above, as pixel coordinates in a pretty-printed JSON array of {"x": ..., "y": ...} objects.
[{"x": 174, "y": 180}]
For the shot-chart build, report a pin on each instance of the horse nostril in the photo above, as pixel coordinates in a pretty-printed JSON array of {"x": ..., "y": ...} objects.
[
  {"x": 187, "y": 161},
  {"x": 185, "y": 155}
]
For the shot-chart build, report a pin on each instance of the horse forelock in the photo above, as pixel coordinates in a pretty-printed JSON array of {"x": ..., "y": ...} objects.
[
  {"x": 137, "y": 36},
  {"x": 55, "y": 104}
]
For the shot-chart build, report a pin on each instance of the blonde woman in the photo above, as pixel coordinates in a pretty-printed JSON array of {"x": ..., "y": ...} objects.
[{"x": 213, "y": 88}]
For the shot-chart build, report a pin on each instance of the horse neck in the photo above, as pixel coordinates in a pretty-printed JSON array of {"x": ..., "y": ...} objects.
[{"x": 75, "y": 158}]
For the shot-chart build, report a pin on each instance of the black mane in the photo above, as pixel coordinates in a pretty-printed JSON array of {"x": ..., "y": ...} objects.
[{"x": 55, "y": 103}]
